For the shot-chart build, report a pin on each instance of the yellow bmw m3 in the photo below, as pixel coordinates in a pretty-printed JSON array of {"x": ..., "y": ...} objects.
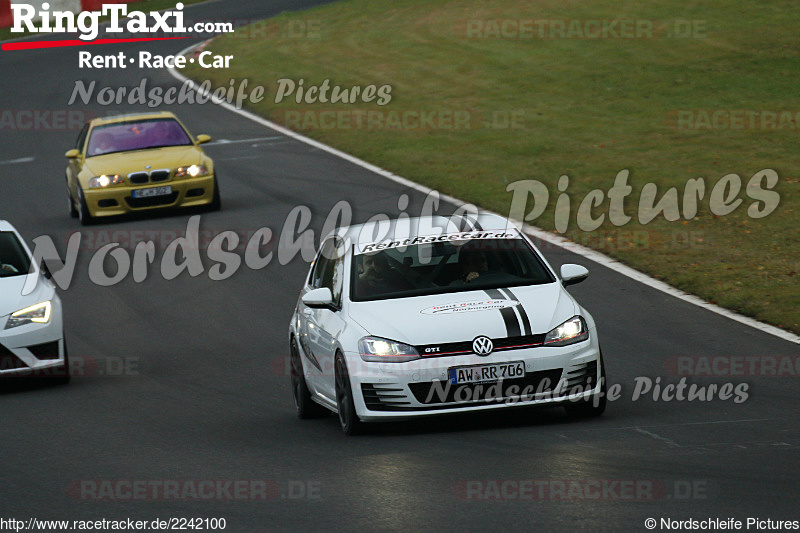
[{"x": 138, "y": 162}]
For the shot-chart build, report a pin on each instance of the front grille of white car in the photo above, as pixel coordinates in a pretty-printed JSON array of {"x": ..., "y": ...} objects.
[
  {"x": 446, "y": 349},
  {"x": 393, "y": 397},
  {"x": 543, "y": 381}
]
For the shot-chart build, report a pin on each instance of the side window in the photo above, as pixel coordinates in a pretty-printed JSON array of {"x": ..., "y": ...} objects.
[
  {"x": 82, "y": 137},
  {"x": 320, "y": 263},
  {"x": 329, "y": 270},
  {"x": 337, "y": 279}
]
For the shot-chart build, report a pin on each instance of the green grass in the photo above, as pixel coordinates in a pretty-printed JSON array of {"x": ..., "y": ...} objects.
[
  {"x": 591, "y": 107},
  {"x": 145, "y": 5}
]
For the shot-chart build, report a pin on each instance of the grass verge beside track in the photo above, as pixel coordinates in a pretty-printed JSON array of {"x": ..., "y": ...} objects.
[{"x": 582, "y": 107}]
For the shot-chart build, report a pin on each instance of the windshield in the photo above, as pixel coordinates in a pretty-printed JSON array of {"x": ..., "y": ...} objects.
[
  {"x": 14, "y": 260},
  {"x": 443, "y": 267},
  {"x": 139, "y": 135}
]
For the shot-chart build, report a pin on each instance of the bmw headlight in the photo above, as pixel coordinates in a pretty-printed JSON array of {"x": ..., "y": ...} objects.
[
  {"x": 375, "y": 349},
  {"x": 572, "y": 331},
  {"x": 39, "y": 313},
  {"x": 100, "y": 182},
  {"x": 192, "y": 171}
]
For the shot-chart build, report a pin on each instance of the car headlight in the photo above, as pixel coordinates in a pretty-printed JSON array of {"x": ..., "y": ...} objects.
[
  {"x": 39, "y": 313},
  {"x": 572, "y": 331},
  {"x": 192, "y": 171},
  {"x": 99, "y": 182},
  {"x": 375, "y": 349}
]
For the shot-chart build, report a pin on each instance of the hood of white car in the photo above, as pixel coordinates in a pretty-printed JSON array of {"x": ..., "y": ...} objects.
[
  {"x": 462, "y": 316},
  {"x": 11, "y": 298}
]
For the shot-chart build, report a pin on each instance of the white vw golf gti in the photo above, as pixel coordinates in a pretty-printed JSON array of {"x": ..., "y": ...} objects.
[
  {"x": 31, "y": 329},
  {"x": 424, "y": 317}
]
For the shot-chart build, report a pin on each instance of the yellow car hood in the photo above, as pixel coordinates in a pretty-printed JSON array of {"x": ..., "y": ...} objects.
[{"x": 123, "y": 163}]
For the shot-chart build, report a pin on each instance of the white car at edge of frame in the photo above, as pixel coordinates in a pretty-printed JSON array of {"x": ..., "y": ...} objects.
[
  {"x": 31, "y": 327},
  {"x": 429, "y": 318}
]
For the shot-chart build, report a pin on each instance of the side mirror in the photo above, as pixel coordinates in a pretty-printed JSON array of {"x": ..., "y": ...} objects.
[
  {"x": 72, "y": 154},
  {"x": 203, "y": 138},
  {"x": 319, "y": 299},
  {"x": 572, "y": 274}
]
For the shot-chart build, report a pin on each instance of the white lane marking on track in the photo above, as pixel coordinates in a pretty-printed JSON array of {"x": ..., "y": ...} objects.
[
  {"x": 747, "y": 420},
  {"x": 17, "y": 161},
  {"x": 539, "y": 233},
  {"x": 227, "y": 141},
  {"x": 237, "y": 158},
  {"x": 668, "y": 442}
]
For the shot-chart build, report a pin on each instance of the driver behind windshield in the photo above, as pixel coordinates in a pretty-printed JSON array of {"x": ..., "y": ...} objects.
[
  {"x": 377, "y": 276},
  {"x": 474, "y": 263}
]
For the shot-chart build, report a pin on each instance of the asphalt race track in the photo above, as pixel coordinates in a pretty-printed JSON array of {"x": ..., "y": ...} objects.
[{"x": 187, "y": 379}]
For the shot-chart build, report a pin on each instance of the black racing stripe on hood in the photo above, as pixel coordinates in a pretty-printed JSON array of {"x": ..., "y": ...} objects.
[
  {"x": 526, "y": 323},
  {"x": 509, "y": 317}
]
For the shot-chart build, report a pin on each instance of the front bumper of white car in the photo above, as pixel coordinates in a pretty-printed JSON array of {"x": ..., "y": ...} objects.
[
  {"x": 32, "y": 349},
  {"x": 553, "y": 375}
]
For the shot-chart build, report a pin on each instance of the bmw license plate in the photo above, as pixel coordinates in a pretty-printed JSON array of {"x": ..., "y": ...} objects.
[
  {"x": 491, "y": 372},
  {"x": 155, "y": 191}
]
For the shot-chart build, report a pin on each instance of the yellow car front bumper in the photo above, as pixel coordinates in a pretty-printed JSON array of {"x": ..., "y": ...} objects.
[{"x": 119, "y": 200}]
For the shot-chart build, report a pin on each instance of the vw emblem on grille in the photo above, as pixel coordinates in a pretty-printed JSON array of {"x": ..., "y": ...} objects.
[{"x": 482, "y": 345}]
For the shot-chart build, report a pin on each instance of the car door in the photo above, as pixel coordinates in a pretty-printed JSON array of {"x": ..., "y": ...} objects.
[{"x": 321, "y": 328}]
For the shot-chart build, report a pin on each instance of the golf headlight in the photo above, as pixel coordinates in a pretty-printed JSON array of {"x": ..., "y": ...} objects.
[
  {"x": 375, "y": 349},
  {"x": 572, "y": 331},
  {"x": 105, "y": 180},
  {"x": 192, "y": 171},
  {"x": 39, "y": 313}
]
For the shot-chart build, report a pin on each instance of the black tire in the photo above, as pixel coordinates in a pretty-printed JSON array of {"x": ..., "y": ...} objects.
[
  {"x": 306, "y": 407},
  {"x": 587, "y": 408},
  {"x": 62, "y": 373},
  {"x": 216, "y": 200},
  {"x": 83, "y": 210},
  {"x": 73, "y": 213},
  {"x": 348, "y": 419}
]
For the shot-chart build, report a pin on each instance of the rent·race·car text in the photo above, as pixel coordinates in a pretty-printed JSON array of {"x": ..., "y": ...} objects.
[{"x": 149, "y": 60}]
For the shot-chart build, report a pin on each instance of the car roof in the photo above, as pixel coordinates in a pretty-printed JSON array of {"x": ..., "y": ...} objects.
[
  {"x": 430, "y": 225},
  {"x": 6, "y": 226},
  {"x": 131, "y": 117}
]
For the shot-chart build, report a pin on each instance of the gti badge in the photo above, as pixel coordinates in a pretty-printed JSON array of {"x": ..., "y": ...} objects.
[{"x": 482, "y": 345}]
